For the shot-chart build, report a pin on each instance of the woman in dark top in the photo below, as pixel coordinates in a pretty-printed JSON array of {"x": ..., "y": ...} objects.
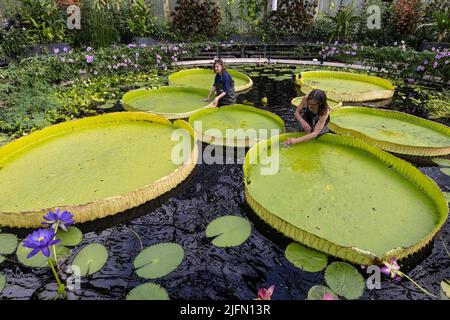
[
  {"x": 223, "y": 86},
  {"x": 313, "y": 114}
]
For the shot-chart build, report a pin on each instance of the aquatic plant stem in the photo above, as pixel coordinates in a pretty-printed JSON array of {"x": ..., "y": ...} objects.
[
  {"x": 137, "y": 236},
  {"x": 416, "y": 284},
  {"x": 61, "y": 288}
]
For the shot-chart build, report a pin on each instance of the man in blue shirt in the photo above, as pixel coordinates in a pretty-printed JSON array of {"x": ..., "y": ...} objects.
[{"x": 223, "y": 86}]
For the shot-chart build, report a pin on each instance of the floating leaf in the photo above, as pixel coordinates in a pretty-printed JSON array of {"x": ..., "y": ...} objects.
[
  {"x": 2, "y": 258},
  {"x": 305, "y": 258},
  {"x": 447, "y": 196},
  {"x": 229, "y": 231},
  {"x": 8, "y": 243},
  {"x": 441, "y": 162},
  {"x": 91, "y": 258},
  {"x": 71, "y": 238},
  {"x": 445, "y": 289},
  {"x": 344, "y": 280},
  {"x": 39, "y": 260},
  {"x": 446, "y": 171},
  {"x": 158, "y": 260},
  {"x": 318, "y": 292},
  {"x": 2, "y": 282},
  {"x": 148, "y": 291},
  {"x": 107, "y": 105}
]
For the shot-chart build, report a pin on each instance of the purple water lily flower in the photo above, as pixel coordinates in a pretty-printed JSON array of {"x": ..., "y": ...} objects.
[
  {"x": 40, "y": 240},
  {"x": 58, "y": 220},
  {"x": 391, "y": 269},
  {"x": 328, "y": 296},
  {"x": 265, "y": 294}
]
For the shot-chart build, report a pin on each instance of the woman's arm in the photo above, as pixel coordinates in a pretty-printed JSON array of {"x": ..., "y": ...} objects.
[
  {"x": 220, "y": 96},
  {"x": 306, "y": 127},
  {"x": 317, "y": 129},
  {"x": 213, "y": 89}
]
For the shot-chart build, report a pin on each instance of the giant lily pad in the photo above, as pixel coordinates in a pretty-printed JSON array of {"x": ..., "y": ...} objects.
[
  {"x": 204, "y": 79},
  {"x": 91, "y": 167},
  {"x": 229, "y": 231},
  {"x": 148, "y": 291},
  {"x": 236, "y": 125},
  {"x": 393, "y": 131},
  {"x": 344, "y": 280},
  {"x": 91, "y": 258},
  {"x": 8, "y": 243},
  {"x": 158, "y": 260},
  {"x": 331, "y": 103},
  {"x": 338, "y": 194},
  {"x": 169, "y": 102},
  {"x": 346, "y": 86},
  {"x": 305, "y": 258}
]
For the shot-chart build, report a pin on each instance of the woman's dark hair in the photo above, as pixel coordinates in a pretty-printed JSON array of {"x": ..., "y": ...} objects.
[
  {"x": 321, "y": 98},
  {"x": 221, "y": 63}
]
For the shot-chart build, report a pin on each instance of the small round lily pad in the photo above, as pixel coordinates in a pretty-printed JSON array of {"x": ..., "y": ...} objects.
[
  {"x": 91, "y": 258},
  {"x": 305, "y": 258},
  {"x": 2, "y": 258},
  {"x": 445, "y": 170},
  {"x": 72, "y": 237},
  {"x": 445, "y": 289},
  {"x": 2, "y": 282},
  {"x": 441, "y": 162},
  {"x": 8, "y": 243},
  {"x": 39, "y": 260},
  {"x": 158, "y": 260},
  {"x": 229, "y": 231},
  {"x": 345, "y": 280},
  {"x": 321, "y": 293},
  {"x": 148, "y": 291}
]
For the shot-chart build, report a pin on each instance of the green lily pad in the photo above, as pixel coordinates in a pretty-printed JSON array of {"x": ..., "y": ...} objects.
[
  {"x": 8, "y": 243},
  {"x": 71, "y": 238},
  {"x": 91, "y": 258},
  {"x": 344, "y": 280},
  {"x": 229, "y": 231},
  {"x": 318, "y": 292},
  {"x": 447, "y": 196},
  {"x": 2, "y": 258},
  {"x": 158, "y": 260},
  {"x": 441, "y": 162},
  {"x": 107, "y": 105},
  {"x": 39, "y": 260},
  {"x": 148, "y": 291},
  {"x": 445, "y": 289},
  {"x": 2, "y": 282},
  {"x": 305, "y": 258},
  {"x": 446, "y": 171}
]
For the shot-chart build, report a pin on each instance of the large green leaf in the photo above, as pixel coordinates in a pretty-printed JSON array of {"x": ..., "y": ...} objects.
[
  {"x": 311, "y": 190},
  {"x": 91, "y": 258},
  {"x": 148, "y": 291},
  {"x": 345, "y": 280},
  {"x": 392, "y": 131},
  {"x": 446, "y": 171},
  {"x": 71, "y": 238},
  {"x": 8, "y": 243},
  {"x": 110, "y": 152},
  {"x": 158, "y": 260},
  {"x": 305, "y": 258},
  {"x": 2, "y": 282},
  {"x": 229, "y": 231},
  {"x": 39, "y": 260},
  {"x": 318, "y": 293},
  {"x": 241, "y": 125}
]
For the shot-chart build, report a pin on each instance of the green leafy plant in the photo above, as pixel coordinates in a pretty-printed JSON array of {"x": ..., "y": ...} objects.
[
  {"x": 139, "y": 19},
  {"x": 440, "y": 25},
  {"x": 345, "y": 21},
  {"x": 407, "y": 13},
  {"x": 194, "y": 18},
  {"x": 292, "y": 16}
]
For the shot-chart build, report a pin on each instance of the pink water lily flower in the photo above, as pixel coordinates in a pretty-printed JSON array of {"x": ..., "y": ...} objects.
[
  {"x": 328, "y": 296},
  {"x": 391, "y": 269},
  {"x": 265, "y": 294}
]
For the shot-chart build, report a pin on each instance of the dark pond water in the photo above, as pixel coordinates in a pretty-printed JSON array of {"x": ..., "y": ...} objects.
[{"x": 208, "y": 272}]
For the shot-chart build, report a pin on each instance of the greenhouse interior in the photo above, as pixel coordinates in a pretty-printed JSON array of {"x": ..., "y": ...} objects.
[{"x": 224, "y": 150}]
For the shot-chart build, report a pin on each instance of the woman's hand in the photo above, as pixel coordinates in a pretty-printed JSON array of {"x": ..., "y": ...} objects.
[
  {"x": 216, "y": 101},
  {"x": 290, "y": 141},
  {"x": 306, "y": 127}
]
